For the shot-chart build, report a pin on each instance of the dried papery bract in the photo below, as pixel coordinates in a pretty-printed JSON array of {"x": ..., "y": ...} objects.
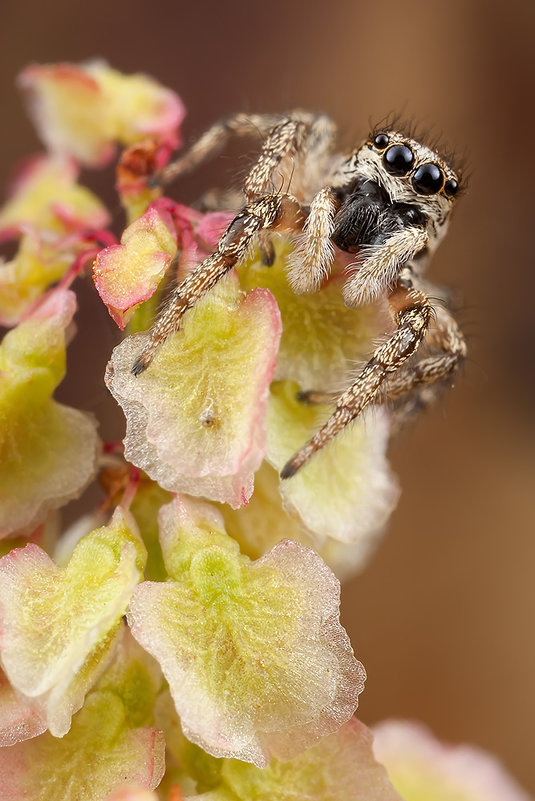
[
  {"x": 59, "y": 625},
  {"x": 196, "y": 419},
  {"x": 254, "y": 653}
]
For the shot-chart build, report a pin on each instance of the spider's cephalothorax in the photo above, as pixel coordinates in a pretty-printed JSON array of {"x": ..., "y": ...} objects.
[{"x": 387, "y": 204}]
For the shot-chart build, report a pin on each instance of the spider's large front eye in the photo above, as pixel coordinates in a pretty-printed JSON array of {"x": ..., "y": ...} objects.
[
  {"x": 398, "y": 159},
  {"x": 428, "y": 179}
]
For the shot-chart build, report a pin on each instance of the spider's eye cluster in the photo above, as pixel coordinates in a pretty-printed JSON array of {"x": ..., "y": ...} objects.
[{"x": 428, "y": 178}]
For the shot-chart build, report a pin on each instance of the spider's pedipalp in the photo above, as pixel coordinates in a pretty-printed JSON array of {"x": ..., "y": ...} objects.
[
  {"x": 378, "y": 266},
  {"x": 311, "y": 260}
]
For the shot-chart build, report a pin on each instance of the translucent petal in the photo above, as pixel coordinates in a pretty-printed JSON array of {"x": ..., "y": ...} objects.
[
  {"x": 347, "y": 490},
  {"x": 18, "y": 720},
  {"x": 108, "y": 746},
  {"x": 129, "y": 273},
  {"x": 340, "y": 768},
  {"x": 59, "y": 626},
  {"x": 261, "y": 524},
  {"x": 195, "y": 417},
  {"x": 322, "y": 338},
  {"x": 255, "y": 656}
]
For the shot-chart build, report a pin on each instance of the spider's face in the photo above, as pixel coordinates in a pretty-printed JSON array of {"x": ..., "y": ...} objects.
[{"x": 408, "y": 172}]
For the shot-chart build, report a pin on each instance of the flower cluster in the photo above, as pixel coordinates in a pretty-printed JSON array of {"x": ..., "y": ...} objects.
[{"x": 186, "y": 633}]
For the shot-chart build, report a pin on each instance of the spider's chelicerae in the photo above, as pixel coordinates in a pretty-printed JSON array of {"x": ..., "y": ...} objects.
[{"x": 388, "y": 202}]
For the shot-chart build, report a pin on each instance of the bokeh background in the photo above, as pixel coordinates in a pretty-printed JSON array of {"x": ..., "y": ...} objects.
[{"x": 443, "y": 617}]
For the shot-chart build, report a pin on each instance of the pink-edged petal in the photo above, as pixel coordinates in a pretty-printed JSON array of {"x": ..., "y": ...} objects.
[
  {"x": 129, "y": 273},
  {"x": 46, "y": 195},
  {"x": 195, "y": 417},
  {"x": 58, "y": 627},
  {"x": 18, "y": 719},
  {"x": 419, "y": 766},
  {"x": 211, "y": 228},
  {"x": 347, "y": 490},
  {"x": 255, "y": 656},
  {"x": 68, "y": 109},
  {"x": 141, "y": 106},
  {"x": 132, "y": 792},
  {"x": 84, "y": 110}
]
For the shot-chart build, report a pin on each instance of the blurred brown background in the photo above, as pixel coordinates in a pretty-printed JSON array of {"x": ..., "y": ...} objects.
[{"x": 443, "y": 617}]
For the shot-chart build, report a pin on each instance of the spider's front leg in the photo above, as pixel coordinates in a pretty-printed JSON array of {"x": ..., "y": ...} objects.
[
  {"x": 412, "y": 312},
  {"x": 280, "y": 213}
]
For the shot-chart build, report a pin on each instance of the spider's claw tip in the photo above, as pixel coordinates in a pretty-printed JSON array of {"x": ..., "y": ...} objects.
[
  {"x": 268, "y": 257},
  {"x": 303, "y": 396},
  {"x": 288, "y": 470},
  {"x": 154, "y": 181},
  {"x": 139, "y": 365}
]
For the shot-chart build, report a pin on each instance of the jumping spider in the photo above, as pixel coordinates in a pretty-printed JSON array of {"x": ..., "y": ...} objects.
[{"x": 388, "y": 202}]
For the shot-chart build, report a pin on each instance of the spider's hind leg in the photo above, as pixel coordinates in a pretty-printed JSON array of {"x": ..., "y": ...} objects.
[
  {"x": 412, "y": 311},
  {"x": 420, "y": 384}
]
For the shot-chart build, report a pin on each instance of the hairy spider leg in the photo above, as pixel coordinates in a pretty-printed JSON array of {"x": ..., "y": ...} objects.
[
  {"x": 422, "y": 381},
  {"x": 425, "y": 380},
  {"x": 277, "y": 212},
  {"x": 412, "y": 312},
  {"x": 212, "y": 141},
  {"x": 378, "y": 266}
]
